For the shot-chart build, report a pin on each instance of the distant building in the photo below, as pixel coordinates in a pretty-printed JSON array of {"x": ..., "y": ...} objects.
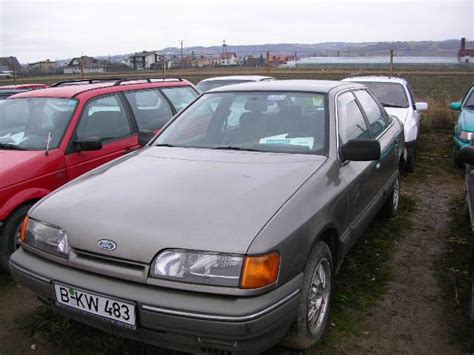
[
  {"x": 89, "y": 65},
  {"x": 144, "y": 60},
  {"x": 227, "y": 59},
  {"x": 10, "y": 63},
  {"x": 43, "y": 66},
  {"x": 252, "y": 61},
  {"x": 280, "y": 59},
  {"x": 465, "y": 55},
  {"x": 203, "y": 62}
]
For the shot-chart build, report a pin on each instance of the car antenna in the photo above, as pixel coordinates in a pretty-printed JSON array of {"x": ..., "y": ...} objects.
[{"x": 47, "y": 143}]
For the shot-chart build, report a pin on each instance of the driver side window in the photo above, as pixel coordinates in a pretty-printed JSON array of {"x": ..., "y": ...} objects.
[
  {"x": 352, "y": 124},
  {"x": 104, "y": 118}
]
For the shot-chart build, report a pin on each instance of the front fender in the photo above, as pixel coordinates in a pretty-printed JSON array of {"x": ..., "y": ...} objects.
[{"x": 20, "y": 198}]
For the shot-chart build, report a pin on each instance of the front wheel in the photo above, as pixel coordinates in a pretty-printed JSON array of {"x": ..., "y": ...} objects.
[
  {"x": 313, "y": 309},
  {"x": 10, "y": 238},
  {"x": 456, "y": 162}
]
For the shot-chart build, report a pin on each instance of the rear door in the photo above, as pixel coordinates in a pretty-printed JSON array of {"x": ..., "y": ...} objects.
[{"x": 106, "y": 118}]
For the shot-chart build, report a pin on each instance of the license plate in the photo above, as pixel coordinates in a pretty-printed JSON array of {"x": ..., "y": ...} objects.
[{"x": 99, "y": 305}]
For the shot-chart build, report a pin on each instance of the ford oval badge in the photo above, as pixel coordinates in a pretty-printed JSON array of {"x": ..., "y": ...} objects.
[{"x": 107, "y": 244}]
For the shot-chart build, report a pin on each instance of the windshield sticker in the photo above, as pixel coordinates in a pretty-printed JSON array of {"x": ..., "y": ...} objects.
[
  {"x": 318, "y": 100},
  {"x": 276, "y": 97},
  {"x": 282, "y": 139}
]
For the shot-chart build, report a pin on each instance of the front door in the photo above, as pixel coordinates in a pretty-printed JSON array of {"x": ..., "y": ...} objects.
[{"x": 105, "y": 118}]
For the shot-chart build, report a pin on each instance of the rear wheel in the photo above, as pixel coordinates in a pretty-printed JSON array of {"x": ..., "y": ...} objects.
[
  {"x": 456, "y": 162},
  {"x": 392, "y": 205},
  {"x": 313, "y": 309},
  {"x": 10, "y": 238},
  {"x": 410, "y": 162}
]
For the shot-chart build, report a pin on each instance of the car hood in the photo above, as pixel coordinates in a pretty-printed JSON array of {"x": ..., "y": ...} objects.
[
  {"x": 401, "y": 113},
  {"x": 13, "y": 165},
  {"x": 164, "y": 197}
]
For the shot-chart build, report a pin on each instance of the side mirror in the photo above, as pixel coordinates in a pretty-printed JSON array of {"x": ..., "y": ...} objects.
[
  {"x": 89, "y": 144},
  {"x": 456, "y": 106},
  {"x": 361, "y": 150},
  {"x": 421, "y": 106},
  {"x": 144, "y": 137},
  {"x": 466, "y": 155}
]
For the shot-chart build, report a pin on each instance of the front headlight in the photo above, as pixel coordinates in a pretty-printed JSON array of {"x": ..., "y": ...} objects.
[
  {"x": 198, "y": 267},
  {"x": 466, "y": 135},
  {"x": 45, "y": 237},
  {"x": 249, "y": 272}
]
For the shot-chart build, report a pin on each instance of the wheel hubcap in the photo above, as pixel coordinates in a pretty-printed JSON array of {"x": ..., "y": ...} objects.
[
  {"x": 318, "y": 300},
  {"x": 396, "y": 194}
]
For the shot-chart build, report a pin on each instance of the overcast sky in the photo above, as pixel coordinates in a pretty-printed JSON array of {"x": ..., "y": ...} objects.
[{"x": 34, "y": 30}]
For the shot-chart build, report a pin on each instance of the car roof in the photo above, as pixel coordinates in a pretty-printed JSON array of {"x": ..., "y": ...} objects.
[
  {"x": 70, "y": 91},
  {"x": 322, "y": 86},
  {"x": 238, "y": 77},
  {"x": 377, "y": 79}
]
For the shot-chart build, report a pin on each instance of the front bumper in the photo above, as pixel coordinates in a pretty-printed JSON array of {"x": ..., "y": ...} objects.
[
  {"x": 460, "y": 143},
  {"x": 180, "y": 320}
]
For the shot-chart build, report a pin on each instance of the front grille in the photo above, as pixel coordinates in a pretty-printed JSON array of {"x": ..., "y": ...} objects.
[{"x": 109, "y": 266}]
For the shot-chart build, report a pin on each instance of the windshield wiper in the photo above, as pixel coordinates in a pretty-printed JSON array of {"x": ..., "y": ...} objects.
[
  {"x": 163, "y": 145},
  {"x": 229, "y": 147},
  {"x": 392, "y": 105},
  {"x": 10, "y": 146}
]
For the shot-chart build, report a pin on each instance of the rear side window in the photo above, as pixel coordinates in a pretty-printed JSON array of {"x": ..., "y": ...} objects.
[
  {"x": 104, "y": 118},
  {"x": 377, "y": 120},
  {"x": 181, "y": 96},
  {"x": 352, "y": 124},
  {"x": 149, "y": 108}
]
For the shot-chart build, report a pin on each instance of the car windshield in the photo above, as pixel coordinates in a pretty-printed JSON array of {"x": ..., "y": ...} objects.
[
  {"x": 207, "y": 85},
  {"x": 470, "y": 100},
  {"x": 389, "y": 94},
  {"x": 34, "y": 123},
  {"x": 285, "y": 122}
]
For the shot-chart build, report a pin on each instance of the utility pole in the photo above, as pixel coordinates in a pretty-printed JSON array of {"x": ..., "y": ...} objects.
[
  {"x": 391, "y": 62},
  {"x": 14, "y": 74},
  {"x": 163, "y": 66},
  {"x": 296, "y": 59},
  {"x": 268, "y": 62},
  {"x": 181, "y": 54}
]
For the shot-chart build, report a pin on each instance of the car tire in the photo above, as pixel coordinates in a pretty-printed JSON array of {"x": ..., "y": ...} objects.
[
  {"x": 456, "y": 162},
  {"x": 10, "y": 234},
  {"x": 392, "y": 206},
  {"x": 310, "y": 321},
  {"x": 410, "y": 162}
]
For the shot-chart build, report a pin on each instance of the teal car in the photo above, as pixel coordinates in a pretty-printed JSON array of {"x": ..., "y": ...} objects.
[{"x": 464, "y": 129}]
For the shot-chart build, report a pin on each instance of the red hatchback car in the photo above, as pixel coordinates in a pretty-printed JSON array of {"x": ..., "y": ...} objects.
[{"x": 51, "y": 136}]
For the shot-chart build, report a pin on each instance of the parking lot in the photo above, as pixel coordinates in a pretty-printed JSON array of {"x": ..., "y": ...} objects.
[{"x": 404, "y": 288}]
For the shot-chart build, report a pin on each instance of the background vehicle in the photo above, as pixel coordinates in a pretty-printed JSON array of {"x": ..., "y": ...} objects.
[
  {"x": 466, "y": 155},
  {"x": 24, "y": 87},
  {"x": 212, "y": 83},
  {"x": 51, "y": 136},
  {"x": 5, "y": 93},
  {"x": 464, "y": 129},
  {"x": 7, "y": 74},
  {"x": 396, "y": 95},
  {"x": 261, "y": 191}
]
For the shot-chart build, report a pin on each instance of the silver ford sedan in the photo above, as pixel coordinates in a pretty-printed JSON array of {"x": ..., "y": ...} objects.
[{"x": 225, "y": 231}]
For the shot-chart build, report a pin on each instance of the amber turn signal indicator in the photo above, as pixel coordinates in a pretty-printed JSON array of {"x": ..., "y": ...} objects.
[
  {"x": 23, "y": 229},
  {"x": 260, "y": 271}
]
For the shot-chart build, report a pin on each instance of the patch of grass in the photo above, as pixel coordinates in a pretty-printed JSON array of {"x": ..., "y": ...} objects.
[
  {"x": 439, "y": 115},
  {"x": 363, "y": 278},
  {"x": 6, "y": 281},
  {"x": 454, "y": 273}
]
